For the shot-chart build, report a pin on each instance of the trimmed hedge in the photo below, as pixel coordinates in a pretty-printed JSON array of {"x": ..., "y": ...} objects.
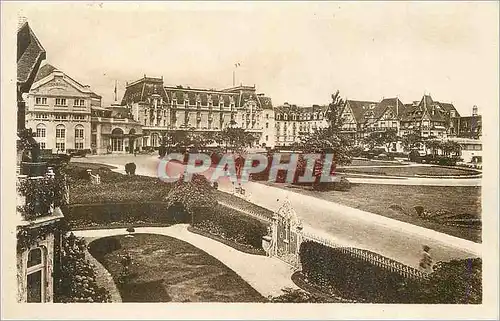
[
  {"x": 231, "y": 225},
  {"x": 355, "y": 278},
  {"x": 454, "y": 282},
  {"x": 239, "y": 203},
  {"x": 151, "y": 213}
]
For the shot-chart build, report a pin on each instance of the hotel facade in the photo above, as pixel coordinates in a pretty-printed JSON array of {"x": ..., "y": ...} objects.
[{"x": 162, "y": 109}]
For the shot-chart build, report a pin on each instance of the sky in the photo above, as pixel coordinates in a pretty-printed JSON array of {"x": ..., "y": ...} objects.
[{"x": 294, "y": 52}]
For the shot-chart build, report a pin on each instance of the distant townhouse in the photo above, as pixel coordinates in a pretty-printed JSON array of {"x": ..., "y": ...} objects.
[
  {"x": 293, "y": 121},
  {"x": 429, "y": 118},
  {"x": 360, "y": 118}
]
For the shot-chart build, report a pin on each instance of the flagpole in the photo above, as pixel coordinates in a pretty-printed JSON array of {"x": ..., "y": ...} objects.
[
  {"x": 115, "y": 91},
  {"x": 234, "y": 70}
]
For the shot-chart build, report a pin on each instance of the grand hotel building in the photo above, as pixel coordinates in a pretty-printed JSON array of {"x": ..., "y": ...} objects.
[{"x": 162, "y": 109}]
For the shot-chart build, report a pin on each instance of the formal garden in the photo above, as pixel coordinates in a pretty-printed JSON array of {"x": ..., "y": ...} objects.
[{"x": 182, "y": 273}]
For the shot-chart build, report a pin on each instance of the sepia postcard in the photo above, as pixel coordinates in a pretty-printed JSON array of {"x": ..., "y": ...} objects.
[{"x": 250, "y": 160}]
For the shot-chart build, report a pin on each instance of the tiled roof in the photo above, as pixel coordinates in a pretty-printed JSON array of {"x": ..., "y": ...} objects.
[
  {"x": 359, "y": 108},
  {"x": 436, "y": 110},
  {"x": 140, "y": 90},
  {"x": 265, "y": 102},
  {"x": 29, "y": 55},
  {"x": 394, "y": 103},
  {"x": 44, "y": 71}
]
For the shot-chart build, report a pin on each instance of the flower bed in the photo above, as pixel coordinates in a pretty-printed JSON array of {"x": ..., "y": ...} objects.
[
  {"x": 231, "y": 225},
  {"x": 76, "y": 281}
]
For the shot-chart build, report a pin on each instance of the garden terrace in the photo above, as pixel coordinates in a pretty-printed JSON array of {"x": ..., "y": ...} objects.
[{"x": 165, "y": 269}]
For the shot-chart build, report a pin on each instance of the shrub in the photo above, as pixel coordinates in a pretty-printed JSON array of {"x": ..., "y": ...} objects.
[
  {"x": 76, "y": 279},
  {"x": 456, "y": 282},
  {"x": 342, "y": 185},
  {"x": 295, "y": 296},
  {"x": 357, "y": 151},
  {"x": 130, "y": 168},
  {"x": 196, "y": 193},
  {"x": 231, "y": 225}
]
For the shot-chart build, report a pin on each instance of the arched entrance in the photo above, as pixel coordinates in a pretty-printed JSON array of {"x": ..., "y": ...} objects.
[
  {"x": 131, "y": 141},
  {"x": 117, "y": 140}
]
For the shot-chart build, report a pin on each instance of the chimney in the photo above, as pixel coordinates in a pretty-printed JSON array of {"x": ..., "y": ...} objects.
[{"x": 20, "y": 21}]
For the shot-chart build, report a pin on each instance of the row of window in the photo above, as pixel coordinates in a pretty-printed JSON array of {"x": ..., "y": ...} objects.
[
  {"x": 45, "y": 116},
  {"x": 314, "y": 116},
  {"x": 41, "y": 131},
  {"x": 60, "y": 102}
]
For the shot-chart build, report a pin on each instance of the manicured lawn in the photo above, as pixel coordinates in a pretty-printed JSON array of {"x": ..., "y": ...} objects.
[
  {"x": 410, "y": 171},
  {"x": 461, "y": 201},
  {"x": 165, "y": 269}
]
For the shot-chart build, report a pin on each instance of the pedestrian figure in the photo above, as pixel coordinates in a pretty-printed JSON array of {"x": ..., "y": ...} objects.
[{"x": 426, "y": 260}]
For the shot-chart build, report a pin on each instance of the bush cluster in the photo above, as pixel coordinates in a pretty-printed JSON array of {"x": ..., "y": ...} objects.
[
  {"x": 355, "y": 278},
  {"x": 231, "y": 225},
  {"x": 76, "y": 281}
]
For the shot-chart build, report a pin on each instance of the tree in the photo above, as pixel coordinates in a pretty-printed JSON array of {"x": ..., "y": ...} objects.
[
  {"x": 385, "y": 138},
  {"x": 235, "y": 138},
  {"x": 334, "y": 112},
  {"x": 330, "y": 139},
  {"x": 451, "y": 147},
  {"x": 456, "y": 282},
  {"x": 434, "y": 145},
  {"x": 411, "y": 140},
  {"x": 181, "y": 139},
  {"x": 196, "y": 193}
]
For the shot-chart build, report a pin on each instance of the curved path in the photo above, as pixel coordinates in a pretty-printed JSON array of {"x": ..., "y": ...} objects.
[
  {"x": 265, "y": 274},
  {"x": 342, "y": 224}
]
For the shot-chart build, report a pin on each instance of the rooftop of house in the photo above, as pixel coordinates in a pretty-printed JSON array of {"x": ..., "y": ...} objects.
[
  {"x": 30, "y": 54},
  {"x": 143, "y": 89}
]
